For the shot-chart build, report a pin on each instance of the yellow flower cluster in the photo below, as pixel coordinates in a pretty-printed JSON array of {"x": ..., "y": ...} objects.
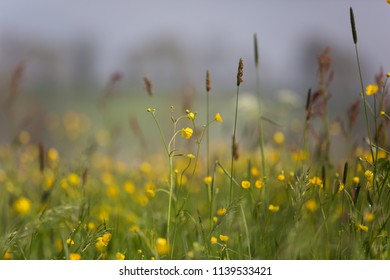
[
  {"x": 316, "y": 181},
  {"x": 369, "y": 175},
  {"x": 103, "y": 241}
]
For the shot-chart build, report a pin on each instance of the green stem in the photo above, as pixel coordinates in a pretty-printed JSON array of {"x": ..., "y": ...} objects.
[
  {"x": 208, "y": 137},
  {"x": 261, "y": 134},
  {"x": 161, "y": 133},
  {"x": 233, "y": 144},
  {"x": 211, "y": 196},
  {"x": 246, "y": 232},
  {"x": 170, "y": 196},
  {"x": 364, "y": 102}
]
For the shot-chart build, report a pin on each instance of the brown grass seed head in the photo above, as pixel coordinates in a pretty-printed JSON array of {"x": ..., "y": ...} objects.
[
  {"x": 208, "y": 81},
  {"x": 240, "y": 72}
]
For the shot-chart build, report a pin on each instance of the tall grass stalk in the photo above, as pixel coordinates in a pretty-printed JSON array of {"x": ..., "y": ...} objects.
[
  {"x": 240, "y": 73},
  {"x": 355, "y": 40},
  {"x": 246, "y": 232},
  {"x": 261, "y": 135},
  {"x": 208, "y": 88},
  {"x": 307, "y": 121},
  {"x": 209, "y": 187}
]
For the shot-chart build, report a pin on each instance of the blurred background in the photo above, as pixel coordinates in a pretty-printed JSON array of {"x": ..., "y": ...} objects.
[
  {"x": 70, "y": 54},
  {"x": 80, "y": 43}
]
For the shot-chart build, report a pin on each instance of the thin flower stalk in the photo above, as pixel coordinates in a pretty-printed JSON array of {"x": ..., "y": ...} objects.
[
  {"x": 363, "y": 94},
  {"x": 240, "y": 73},
  {"x": 261, "y": 134}
]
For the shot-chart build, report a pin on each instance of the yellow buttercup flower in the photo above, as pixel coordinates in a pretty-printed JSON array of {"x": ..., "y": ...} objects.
[
  {"x": 74, "y": 179},
  {"x": 316, "y": 181},
  {"x": 7, "y": 255},
  {"x": 362, "y": 227},
  {"x": 52, "y": 155},
  {"x": 74, "y": 256},
  {"x": 273, "y": 208},
  {"x": 218, "y": 118},
  {"x": 120, "y": 256},
  {"x": 162, "y": 246},
  {"x": 369, "y": 175},
  {"x": 91, "y": 226},
  {"x": 259, "y": 184},
  {"x": 107, "y": 237},
  {"x": 223, "y": 238},
  {"x": 255, "y": 172},
  {"x": 245, "y": 184},
  {"x": 279, "y": 138},
  {"x": 341, "y": 187},
  {"x": 221, "y": 211},
  {"x": 187, "y": 132},
  {"x": 191, "y": 116},
  {"x": 281, "y": 177},
  {"x": 22, "y": 206},
  {"x": 70, "y": 241},
  {"x": 112, "y": 191},
  {"x": 311, "y": 205},
  {"x": 368, "y": 216},
  {"x": 103, "y": 241},
  {"x": 100, "y": 245},
  {"x": 190, "y": 254},
  {"x": 213, "y": 240},
  {"x": 134, "y": 228},
  {"x": 129, "y": 187},
  {"x": 150, "y": 190},
  {"x": 356, "y": 180},
  {"x": 372, "y": 89},
  {"x": 208, "y": 179},
  {"x": 146, "y": 168}
]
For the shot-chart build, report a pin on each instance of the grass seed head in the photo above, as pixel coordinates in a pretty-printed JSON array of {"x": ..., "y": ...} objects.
[
  {"x": 148, "y": 85},
  {"x": 240, "y": 72},
  {"x": 235, "y": 151},
  {"x": 256, "y": 50},
  {"x": 41, "y": 157},
  {"x": 353, "y": 26},
  {"x": 208, "y": 81}
]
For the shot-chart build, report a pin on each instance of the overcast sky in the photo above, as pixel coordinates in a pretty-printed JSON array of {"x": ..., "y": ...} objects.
[{"x": 204, "y": 26}]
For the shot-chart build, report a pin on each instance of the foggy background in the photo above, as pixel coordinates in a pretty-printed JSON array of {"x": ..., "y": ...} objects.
[{"x": 80, "y": 43}]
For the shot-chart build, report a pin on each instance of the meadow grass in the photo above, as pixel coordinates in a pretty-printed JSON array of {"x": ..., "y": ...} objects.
[{"x": 184, "y": 193}]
